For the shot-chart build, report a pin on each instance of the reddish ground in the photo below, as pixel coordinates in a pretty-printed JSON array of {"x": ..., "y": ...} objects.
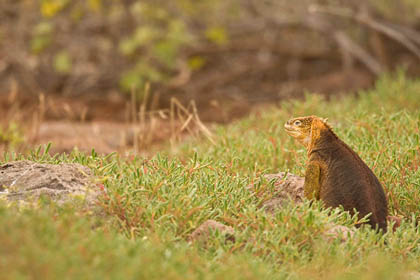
[{"x": 106, "y": 123}]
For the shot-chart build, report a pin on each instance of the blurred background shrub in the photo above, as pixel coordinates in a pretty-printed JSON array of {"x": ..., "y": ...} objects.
[{"x": 208, "y": 50}]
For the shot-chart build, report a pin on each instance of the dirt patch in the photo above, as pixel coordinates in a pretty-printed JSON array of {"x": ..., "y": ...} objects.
[
  {"x": 26, "y": 180},
  {"x": 104, "y": 137},
  {"x": 120, "y": 128}
]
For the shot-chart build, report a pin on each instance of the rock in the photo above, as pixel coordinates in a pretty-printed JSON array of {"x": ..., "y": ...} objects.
[
  {"x": 26, "y": 180},
  {"x": 287, "y": 187},
  {"x": 412, "y": 275},
  {"x": 202, "y": 233},
  {"x": 338, "y": 231},
  {"x": 397, "y": 221}
]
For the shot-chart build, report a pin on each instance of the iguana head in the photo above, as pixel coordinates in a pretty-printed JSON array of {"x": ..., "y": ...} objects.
[{"x": 305, "y": 129}]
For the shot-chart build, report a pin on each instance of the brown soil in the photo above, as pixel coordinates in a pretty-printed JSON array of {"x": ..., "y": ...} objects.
[
  {"x": 105, "y": 126},
  {"x": 105, "y": 123},
  {"x": 103, "y": 136}
]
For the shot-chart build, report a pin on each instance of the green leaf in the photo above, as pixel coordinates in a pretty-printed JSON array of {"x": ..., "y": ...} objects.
[
  {"x": 144, "y": 35},
  {"x": 95, "y": 5},
  {"x": 166, "y": 51},
  {"x": 217, "y": 35},
  {"x": 131, "y": 80},
  {"x": 62, "y": 62},
  {"x": 196, "y": 62},
  {"x": 43, "y": 28},
  {"x": 41, "y": 37},
  {"x": 50, "y": 8},
  {"x": 38, "y": 44},
  {"x": 128, "y": 46}
]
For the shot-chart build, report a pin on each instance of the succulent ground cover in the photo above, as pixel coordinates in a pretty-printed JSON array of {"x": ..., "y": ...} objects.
[{"x": 149, "y": 206}]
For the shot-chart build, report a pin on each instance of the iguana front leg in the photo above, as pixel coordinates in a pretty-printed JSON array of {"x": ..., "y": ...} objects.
[{"x": 312, "y": 185}]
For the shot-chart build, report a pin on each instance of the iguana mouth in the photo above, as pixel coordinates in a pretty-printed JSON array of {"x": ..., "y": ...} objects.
[
  {"x": 292, "y": 132},
  {"x": 289, "y": 129}
]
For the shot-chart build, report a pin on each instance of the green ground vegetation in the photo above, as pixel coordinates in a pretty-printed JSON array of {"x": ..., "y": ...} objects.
[
  {"x": 11, "y": 135},
  {"x": 151, "y": 205}
]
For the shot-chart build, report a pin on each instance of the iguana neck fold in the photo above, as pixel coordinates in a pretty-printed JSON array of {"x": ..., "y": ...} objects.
[{"x": 321, "y": 136}]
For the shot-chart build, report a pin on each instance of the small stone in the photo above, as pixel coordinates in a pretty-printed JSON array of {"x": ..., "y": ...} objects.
[
  {"x": 397, "y": 221},
  {"x": 338, "y": 231},
  {"x": 413, "y": 275},
  {"x": 202, "y": 233}
]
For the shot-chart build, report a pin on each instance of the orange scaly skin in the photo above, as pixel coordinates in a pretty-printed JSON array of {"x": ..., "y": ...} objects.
[{"x": 335, "y": 174}]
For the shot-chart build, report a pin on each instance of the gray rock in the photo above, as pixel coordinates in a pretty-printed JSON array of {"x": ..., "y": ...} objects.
[
  {"x": 288, "y": 187},
  {"x": 412, "y": 275},
  {"x": 26, "y": 181},
  {"x": 342, "y": 233}
]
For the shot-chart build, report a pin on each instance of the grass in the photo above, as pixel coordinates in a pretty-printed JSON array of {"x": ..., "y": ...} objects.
[
  {"x": 153, "y": 204},
  {"x": 11, "y": 135}
]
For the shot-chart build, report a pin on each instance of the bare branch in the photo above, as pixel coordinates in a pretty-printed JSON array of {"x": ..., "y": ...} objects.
[
  {"x": 319, "y": 23},
  {"x": 358, "y": 52},
  {"x": 367, "y": 20},
  {"x": 410, "y": 33},
  {"x": 390, "y": 32}
]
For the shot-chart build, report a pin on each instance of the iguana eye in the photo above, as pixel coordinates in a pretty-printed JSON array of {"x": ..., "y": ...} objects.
[{"x": 297, "y": 123}]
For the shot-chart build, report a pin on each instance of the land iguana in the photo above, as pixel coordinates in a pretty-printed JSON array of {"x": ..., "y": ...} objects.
[{"x": 335, "y": 174}]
